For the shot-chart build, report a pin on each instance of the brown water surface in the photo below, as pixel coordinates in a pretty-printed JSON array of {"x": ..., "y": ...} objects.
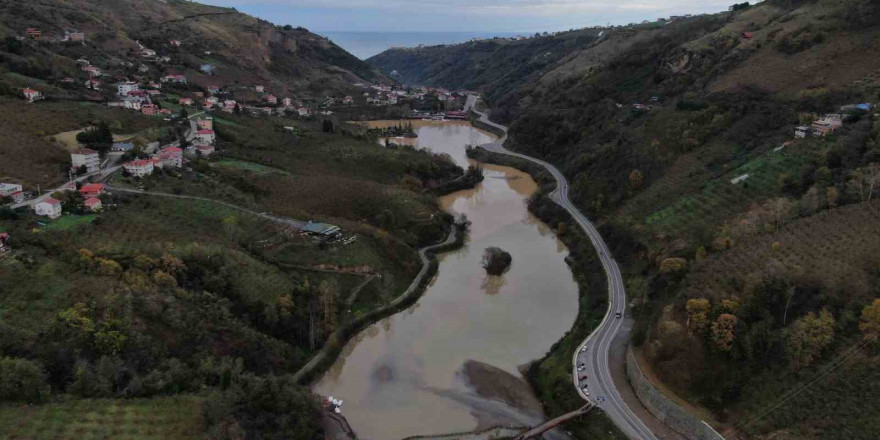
[{"x": 402, "y": 376}]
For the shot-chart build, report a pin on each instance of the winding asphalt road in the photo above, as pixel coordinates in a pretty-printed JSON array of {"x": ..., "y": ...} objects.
[{"x": 593, "y": 352}]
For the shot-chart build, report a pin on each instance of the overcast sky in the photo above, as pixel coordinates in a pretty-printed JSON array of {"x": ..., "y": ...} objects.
[{"x": 465, "y": 15}]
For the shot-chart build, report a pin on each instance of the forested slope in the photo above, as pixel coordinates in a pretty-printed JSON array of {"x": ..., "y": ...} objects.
[{"x": 737, "y": 284}]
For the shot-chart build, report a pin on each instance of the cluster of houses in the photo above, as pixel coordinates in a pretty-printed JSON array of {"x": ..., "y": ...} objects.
[
  {"x": 69, "y": 35},
  {"x": 828, "y": 123},
  {"x": 129, "y": 95},
  {"x": 382, "y": 95},
  {"x": 172, "y": 157},
  {"x": 91, "y": 192}
]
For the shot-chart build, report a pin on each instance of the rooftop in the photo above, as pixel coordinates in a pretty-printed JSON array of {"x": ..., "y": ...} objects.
[{"x": 92, "y": 187}]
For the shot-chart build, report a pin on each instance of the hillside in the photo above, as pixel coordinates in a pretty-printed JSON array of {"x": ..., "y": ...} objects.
[
  {"x": 243, "y": 49},
  {"x": 679, "y": 137},
  {"x": 186, "y": 312}
]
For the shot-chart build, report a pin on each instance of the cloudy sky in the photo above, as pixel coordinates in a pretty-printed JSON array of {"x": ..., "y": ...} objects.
[{"x": 465, "y": 15}]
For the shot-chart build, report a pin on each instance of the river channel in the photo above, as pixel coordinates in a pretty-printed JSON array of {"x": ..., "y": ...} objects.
[{"x": 406, "y": 375}]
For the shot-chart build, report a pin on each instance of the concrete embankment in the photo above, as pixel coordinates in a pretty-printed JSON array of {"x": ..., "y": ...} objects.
[{"x": 665, "y": 409}]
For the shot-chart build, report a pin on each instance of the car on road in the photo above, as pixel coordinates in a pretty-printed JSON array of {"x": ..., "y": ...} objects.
[
  {"x": 617, "y": 315},
  {"x": 582, "y": 378},
  {"x": 582, "y": 367},
  {"x": 584, "y": 348}
]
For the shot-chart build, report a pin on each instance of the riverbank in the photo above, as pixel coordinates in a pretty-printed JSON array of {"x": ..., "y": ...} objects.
[
  {"x": 336, "y": 341},
  {"x": 334, "y": 344},
  {"x": 550, "y": 376}
]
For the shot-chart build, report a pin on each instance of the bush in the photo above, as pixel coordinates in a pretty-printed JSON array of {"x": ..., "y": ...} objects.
[
  {"x": 266, "y": 408},
  {"x": 22, "y": 380}
]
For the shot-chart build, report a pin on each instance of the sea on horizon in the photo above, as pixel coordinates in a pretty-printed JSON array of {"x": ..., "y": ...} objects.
[{"x": 365, "y": 44}]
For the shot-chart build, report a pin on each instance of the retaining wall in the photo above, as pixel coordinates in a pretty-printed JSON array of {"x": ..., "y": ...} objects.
[{"x": 664, "y": 409}]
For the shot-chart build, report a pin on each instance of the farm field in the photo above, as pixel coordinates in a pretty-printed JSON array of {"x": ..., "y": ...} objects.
[{"x": 157, "y": 418}]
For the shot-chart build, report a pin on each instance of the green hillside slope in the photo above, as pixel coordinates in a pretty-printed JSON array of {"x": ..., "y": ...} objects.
[{"x": 652, "y": 124}]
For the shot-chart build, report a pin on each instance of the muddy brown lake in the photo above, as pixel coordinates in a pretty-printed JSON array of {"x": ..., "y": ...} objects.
[{"x": 406, "y": 375}]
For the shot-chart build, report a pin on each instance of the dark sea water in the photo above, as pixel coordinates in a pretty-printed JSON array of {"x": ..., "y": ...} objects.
[{"x": 366, "y": 44}]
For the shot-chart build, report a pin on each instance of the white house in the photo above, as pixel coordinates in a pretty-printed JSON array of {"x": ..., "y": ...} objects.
[
  {"x": 206, "y": 136},
  {"x": 139, "y": 168},
  {"x": 171, "y": 157},
  {"x": 92, "y": 204},
  {"x": 260, "y": 89},
  {"x": 179, "y": 79},
  {"x": 31, "y": 95},
  {"x": 123, "y": 88},
  {"x": 302, "y": 111},
  {"x": 49, "y": 207},
  {"x": 133, "y": 103},
  {"x": 287, "y": 102},
  {"x": 200, "y": 150},
  {"x": 739, "y": 179},
  {"x": 13, "y": 191},
  {"x": 86, "y": 157}
]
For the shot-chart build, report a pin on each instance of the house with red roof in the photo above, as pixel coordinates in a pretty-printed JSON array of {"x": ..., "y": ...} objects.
[
  {"x": 92, "y": 189},
  {"x": 12, "y": 190},
  {"x": 205, "y": 123},
  {"x": 272, "y": 99},
  {"x": 150, "y": 109},
  {"x": 179, "y": 79},
  {"x": 31, "y": 95},
  {"x": 206, "y": 136},
  {"x": 92, "y": 204},
  {"x": 49, "y": 208},
  {"x": 185, "y": 101},
  {"x": 34, "y": 33},
  {"x": 204, "y": 150},
  {"x": 170, "y": 157}
]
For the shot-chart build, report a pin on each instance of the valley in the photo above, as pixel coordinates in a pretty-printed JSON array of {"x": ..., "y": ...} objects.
[{"x": 220, "y": 227}]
